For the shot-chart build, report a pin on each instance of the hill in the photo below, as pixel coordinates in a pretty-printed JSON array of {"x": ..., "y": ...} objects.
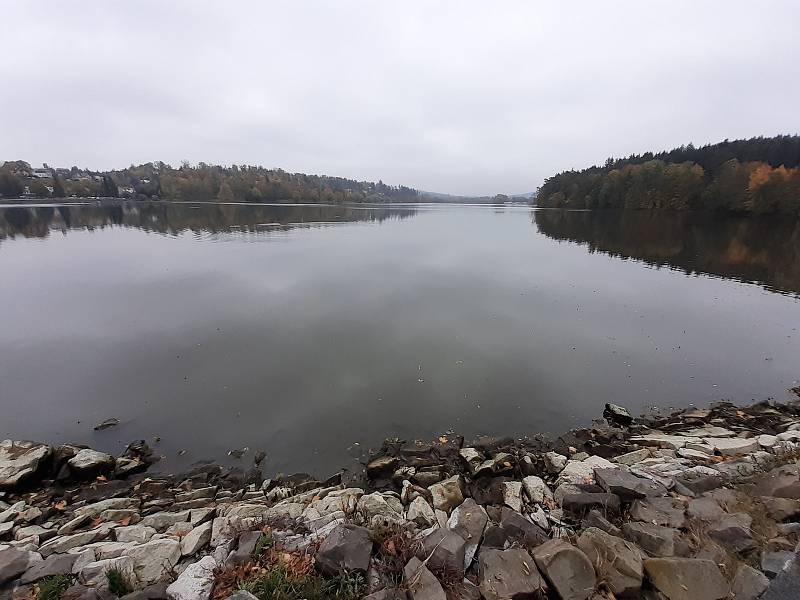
[{"x": 757, "y": 175}]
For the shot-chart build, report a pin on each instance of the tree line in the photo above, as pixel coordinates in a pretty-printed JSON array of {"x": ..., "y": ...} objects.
[
  {"x": 757, "y": 175},
  {"x": 198, "y": 183}
]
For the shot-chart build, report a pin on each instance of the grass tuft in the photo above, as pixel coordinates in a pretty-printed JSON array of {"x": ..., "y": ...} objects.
[
  {"x": 51, "y": 588},
  {"x": 117, "y": 582}
]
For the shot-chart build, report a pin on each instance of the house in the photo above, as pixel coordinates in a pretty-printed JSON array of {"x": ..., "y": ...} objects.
[
  {"x": 126, "y": 190},
  {"x": 41, "y": 173}
]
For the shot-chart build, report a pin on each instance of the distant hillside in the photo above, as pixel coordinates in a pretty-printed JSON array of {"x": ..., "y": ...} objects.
[
  {"x": 758, "y": 175},
  {"x": 196, "y": 183}
]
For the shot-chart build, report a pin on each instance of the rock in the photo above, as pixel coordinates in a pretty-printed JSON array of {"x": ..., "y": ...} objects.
[
  {"x": 196, "y": 539},
  {"x": 421, "y": 583},
  {"x": 686, "y": 578},
  {"x": 539, "y": 517},
  {"x": 420, "y": 512},
  {"x": 154, "y": 561},
  {"x": 56, "y": 564},
  {"x": 89, "y": 462},
  {"x": 447, "y": 494},
  {"x": 111, "y": 422},
  {"x": 582, "y": 471},
  {"x": 709, "y": 431},
  {"x": 20, "y": 461},
  {"x": 705, "y": 509},
  {"x": 733, "y": 446},
  {"x": 196, "y": 581},
  {"x": 243, "y": 595},
  {"x": 631, "y": 458},
  {"x": 518, "y": 528},
  {"x": 748, "y": 583},
  {"x": 14, "y": 562},
  {"x": 695, "y": 454},
  {"x": 347, "y": 547},
  {"x": 616, "y": 414},
  {"x": 444, "y": 551},
  {"x": 92, "y": 510},
  {"x": 512, "y": 494},
  {"x": 197, "y": 494},
  {"x": 617, "y": 563},
  {"x": 733, "y": 532},
  {"x": 662, "y": 440},
  {"x": 595, "y": 519},
  {"x": 94, "y": 573},
  {"x": 536, "y": 489},
  {"x": 567, "y": 569},
  {"x": 668, "y": 512},
  {"x": 781, "y": 509},
  {"x": 64, "y": 543},
  {"x": 626, "y": 485},
  {"x": 767, "y": 441},
  {"x": 161, "y": 520},
  {"x": 385, "y": 594},
  {"x": 377, "y": 504},
  {"x": 786, "y": 584},
  {"x": 554, "y": 462},
  {"x": 580, "y": 504},
  {"x": 472, "y": 459},
  {"x": 504, "y": 574},
  {"x": 773, "y": 563},
  {"x": 134, "y": 533},
  {"x": 10, "y": 514},
  {"x": 655, "y": 539},
  {"x": 468, "y": 520},
  {"x": 383, "y": 466}
]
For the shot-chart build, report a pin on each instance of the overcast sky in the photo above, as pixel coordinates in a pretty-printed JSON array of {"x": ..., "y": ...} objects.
[{"x": 461, "y": 97}]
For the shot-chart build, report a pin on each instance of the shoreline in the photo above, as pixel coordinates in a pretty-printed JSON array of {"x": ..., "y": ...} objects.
[{"x": 75, "y": 513}]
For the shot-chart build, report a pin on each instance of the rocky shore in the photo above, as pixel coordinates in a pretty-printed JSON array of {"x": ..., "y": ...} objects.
[{"x": 700, "y": 504}]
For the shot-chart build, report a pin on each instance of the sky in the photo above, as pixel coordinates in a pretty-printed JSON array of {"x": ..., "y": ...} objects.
[{"x": 453, "y": 96}]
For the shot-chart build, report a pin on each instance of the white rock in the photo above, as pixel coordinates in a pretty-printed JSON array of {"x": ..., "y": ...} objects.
[
  {"x": 582, "y": 471},
  {"x": 374, "y": 504},
  {"x": 447, "y": 494},
  {"x": 733, "y": 446},
  {"x": 710, "y": 431},
  {"x": 693, "y": 454},
  {"x": 539, "y": 517},
  {"x": 767, "y": 441},
  {"x": 90, "y": 460},
  {"x": 554, "y": 462},
  {"x": 662, "y": 440},
  {"x": 134, "y": 533},
  {"x": 154, "y": 561},
  {"x": 64, "y": 543},
  {"x": 536, "y": 489},
  {"x": 512, "y": 494},
  {"x": 196, "y": 581},
  {"x": 20, "y": 460},
  {"x": 161, "y": 520},
  {"x": 791, "y": 435},
  {"x": 420, "y": 512},
  {"x": 92, "y": 510},
  {"x": 196, "y": 539},
  {"x": 10, "y": 514},
  {"x": 631, "y": 458}
]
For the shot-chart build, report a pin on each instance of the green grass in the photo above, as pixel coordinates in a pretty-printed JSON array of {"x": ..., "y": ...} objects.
[
  {"x": 278, "y": 584},
  {"x": 117, "y": 582},
  {"x": 264, "y": 542},
  {"x": 51, "y": 588}
]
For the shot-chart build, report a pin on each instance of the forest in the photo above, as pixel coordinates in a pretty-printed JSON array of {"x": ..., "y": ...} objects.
[
  {"x": 758, "y": 175},
  {"x": 197, "y": 183}
]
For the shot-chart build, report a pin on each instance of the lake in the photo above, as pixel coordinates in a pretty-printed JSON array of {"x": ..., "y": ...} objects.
[{"x": 314, "y": 332}]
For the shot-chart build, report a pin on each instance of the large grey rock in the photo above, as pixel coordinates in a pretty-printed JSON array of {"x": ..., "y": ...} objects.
[
  {"x": 468, "y": 520},
  {"x": 155, "y": 560},
  {"x": 94, "y": 574},
  {"x": 448, "y": 494},
  {"x": 781, "y": 509},
  {"x": 64, "y": 543},
  {"x": 748, "y": 583},
  {"x": 774, "y": 562},
  {"x": 14, "y": 562},
  {"x": 518, "y": 528},
  {"x": 161, "y": 520},
  {"x": 536, "y": 489},
  {"x": 92, "y": 510},
  {"x": 594, "y": 518},
  {"x": 614, "y": 413},
  {"x": 509, "y": 573},
  {"x": 554, "y": 462},
  {"x": 733, "y": 446},
  {"x": 348, "y": 547},
  {"x": 88, "y": 461},
  {"x": 704, "y": 509},
  {"x": 420, "y": 582},
  {"x": 655, "y": 539},
  {"x": 56, "y": 564},
  {"x": 195, "y": 582},
  {"x": 786, "y": 585},
  {"x": 134, "y": 533},
  {"x": 196, "y": 539},
  {"x": 669, "y": 512},
  {"x": 377, "y": 504},
  {"x": 444, "y": 551},
  {"x": 582, "y": 471},
  {"x": 733, "y": 531},
  {"x": 626, "y": 485},
  {"x": 618, "y": 563},
  {"x": 10, "y": 514},
  {"x": 686, "y": 578},
  {"x": 512, "y": 494},
  {"x": 582, "y": 502},
  {"x": 20, "y": 461},
  {"x": 567, "y": 569}
]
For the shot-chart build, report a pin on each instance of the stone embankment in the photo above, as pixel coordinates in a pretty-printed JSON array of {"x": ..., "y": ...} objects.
[{"x": 701, "y": 504}]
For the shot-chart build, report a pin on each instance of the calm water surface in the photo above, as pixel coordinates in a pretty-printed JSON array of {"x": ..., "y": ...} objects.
[{"x": 315, "y": 332}]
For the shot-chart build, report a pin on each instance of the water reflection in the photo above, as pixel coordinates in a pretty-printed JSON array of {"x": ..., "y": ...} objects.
[
  {"x": 174, "y": 218},
  {"x": 749, "y": 249}
]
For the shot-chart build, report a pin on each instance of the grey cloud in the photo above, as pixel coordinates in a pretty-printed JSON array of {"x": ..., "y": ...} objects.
[{"x": 459, "y": 96}]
